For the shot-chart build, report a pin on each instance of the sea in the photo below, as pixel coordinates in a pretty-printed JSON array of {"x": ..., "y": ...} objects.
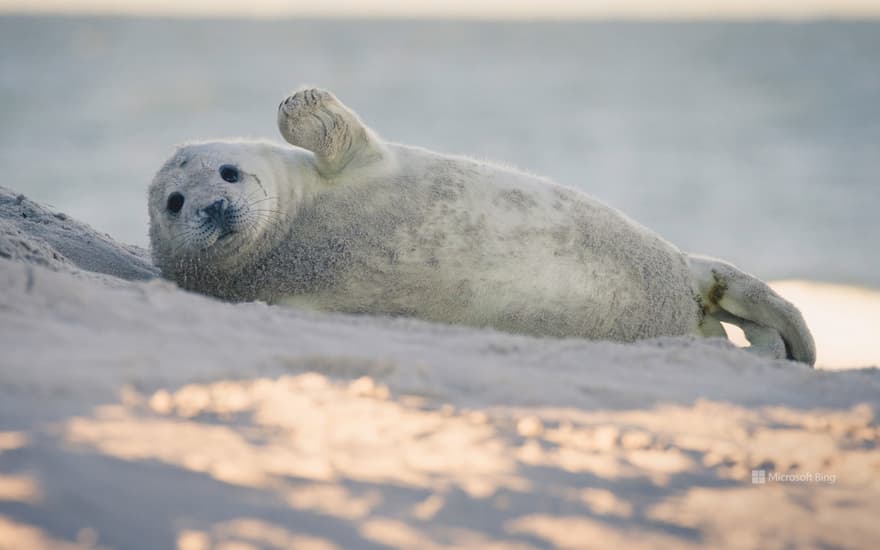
[{"x": 757, "y": 142}]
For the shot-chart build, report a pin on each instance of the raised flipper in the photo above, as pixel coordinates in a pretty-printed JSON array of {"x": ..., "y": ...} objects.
[
  {"x": 771, "y": 324},
  {"x": 316, "y": 121}
]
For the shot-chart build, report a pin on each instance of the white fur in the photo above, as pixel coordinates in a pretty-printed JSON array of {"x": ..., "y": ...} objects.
[{"x": 346, "y": 222}]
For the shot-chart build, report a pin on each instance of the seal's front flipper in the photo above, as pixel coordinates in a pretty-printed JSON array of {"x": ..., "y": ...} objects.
[
  {"x": 772, "y": 325},
  {"x": 315, "y": 120}
]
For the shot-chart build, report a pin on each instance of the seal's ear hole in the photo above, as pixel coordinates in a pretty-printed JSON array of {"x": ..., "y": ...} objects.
[
  {"x": 229, "y": 173},
  {"x": 175, "y": 202}
]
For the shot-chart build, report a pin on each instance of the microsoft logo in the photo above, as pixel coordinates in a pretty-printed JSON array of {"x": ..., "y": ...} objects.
[{"x": 759, "y": 477}]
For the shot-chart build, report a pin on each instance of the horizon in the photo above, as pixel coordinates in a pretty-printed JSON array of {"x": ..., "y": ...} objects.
[{"x": 515, "y": 10}]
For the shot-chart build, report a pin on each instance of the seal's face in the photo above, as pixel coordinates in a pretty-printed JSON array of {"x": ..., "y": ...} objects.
[{"x": 211, "y": 201}]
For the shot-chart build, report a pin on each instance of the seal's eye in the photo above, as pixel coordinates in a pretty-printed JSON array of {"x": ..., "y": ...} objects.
[
  {"x": 229, "y": 173},
  {"x": 175, "y": 202}
]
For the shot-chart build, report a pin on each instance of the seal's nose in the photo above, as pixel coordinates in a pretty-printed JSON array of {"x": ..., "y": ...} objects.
[{"x": 215, "y": 211}]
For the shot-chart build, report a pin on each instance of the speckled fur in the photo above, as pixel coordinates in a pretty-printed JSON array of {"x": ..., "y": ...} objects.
[{"x": 363, "y": 226}]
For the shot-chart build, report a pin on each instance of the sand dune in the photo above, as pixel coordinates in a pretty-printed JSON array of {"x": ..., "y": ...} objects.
[{"x": 135, "y": 415}]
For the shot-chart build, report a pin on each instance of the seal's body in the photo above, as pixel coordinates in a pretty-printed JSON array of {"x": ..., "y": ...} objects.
[{"x": 346, "y": 222}]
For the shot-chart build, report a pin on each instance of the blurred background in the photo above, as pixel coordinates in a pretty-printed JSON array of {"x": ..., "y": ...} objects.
[{"x": 744, "y": 131}]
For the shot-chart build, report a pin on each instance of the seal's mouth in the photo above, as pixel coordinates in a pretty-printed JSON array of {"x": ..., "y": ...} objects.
[{"x": 225, "y": 234}]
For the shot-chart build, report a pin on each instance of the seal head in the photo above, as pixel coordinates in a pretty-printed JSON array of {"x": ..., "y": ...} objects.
[{"x": 214, "y": 206}]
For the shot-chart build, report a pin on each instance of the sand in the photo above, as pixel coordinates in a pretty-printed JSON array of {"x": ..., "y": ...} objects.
[{"x": 135, "y": 415}]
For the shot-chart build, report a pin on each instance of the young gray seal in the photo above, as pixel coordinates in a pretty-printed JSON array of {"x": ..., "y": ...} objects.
[{"x": 343, "y": 221}]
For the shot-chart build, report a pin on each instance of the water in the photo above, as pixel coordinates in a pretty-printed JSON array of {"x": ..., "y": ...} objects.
[{"x": 755, "y": 142}]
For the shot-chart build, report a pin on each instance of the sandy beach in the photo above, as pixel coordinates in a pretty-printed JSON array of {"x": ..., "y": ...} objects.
[{"x": 136, "y": 415}]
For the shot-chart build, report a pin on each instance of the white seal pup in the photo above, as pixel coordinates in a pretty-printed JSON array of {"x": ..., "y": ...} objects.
[{"x": 342, "y": 221}]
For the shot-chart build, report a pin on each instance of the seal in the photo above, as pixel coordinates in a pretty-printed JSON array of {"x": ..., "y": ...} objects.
[{"x": 340, "y": 220}]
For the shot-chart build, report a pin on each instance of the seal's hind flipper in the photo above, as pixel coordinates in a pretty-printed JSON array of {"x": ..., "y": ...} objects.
[{"x": 767, "y": 319}]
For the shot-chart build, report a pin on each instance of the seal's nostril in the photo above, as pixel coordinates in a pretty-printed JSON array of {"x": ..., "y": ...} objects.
[{"x": 215, "y": 210}]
